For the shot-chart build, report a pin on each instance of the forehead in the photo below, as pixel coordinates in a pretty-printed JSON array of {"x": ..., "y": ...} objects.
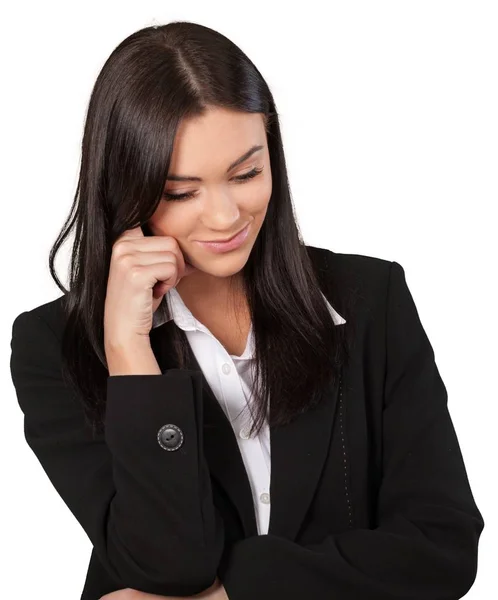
[{"x": 219, "y": 140}]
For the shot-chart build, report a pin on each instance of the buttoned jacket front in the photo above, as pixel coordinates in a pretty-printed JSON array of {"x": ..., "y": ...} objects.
[{"x": 369, "y": 494}]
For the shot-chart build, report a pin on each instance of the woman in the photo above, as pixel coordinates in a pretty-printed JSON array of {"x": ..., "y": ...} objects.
[{"x": 146, "y": 386}]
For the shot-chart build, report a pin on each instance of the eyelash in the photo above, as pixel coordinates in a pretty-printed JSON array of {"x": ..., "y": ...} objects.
[{"x": 240, "y": 179}]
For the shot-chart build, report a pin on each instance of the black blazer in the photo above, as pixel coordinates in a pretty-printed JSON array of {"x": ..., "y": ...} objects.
[{"x": 370, "y": 496}]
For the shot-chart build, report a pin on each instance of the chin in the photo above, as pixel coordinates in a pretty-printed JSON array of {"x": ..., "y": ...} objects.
[{"x": 221, "y": 265}]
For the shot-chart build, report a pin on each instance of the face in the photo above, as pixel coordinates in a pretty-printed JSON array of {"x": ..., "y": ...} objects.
[{"x": 221, "y": 202}]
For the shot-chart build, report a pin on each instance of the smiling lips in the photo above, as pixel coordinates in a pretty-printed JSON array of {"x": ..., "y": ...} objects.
[
  {"x": 222, "y": 241},
  {"x": 231, "y": 244}
]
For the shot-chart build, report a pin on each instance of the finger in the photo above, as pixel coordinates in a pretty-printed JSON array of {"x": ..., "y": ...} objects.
[
  {"x": 154, "y": 257},
  {"x": 164, "y": 273},
  {"x": 163, "y": 247},
  {"x": 146, "y": 258},
  {"x": 160, "y": 243},
  {"x": 134, "y": 232},
  {"x": 124, "y": 594}
]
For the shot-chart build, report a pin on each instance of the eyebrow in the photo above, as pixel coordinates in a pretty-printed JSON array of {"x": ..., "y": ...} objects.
[{"x": 235, "y": 163}]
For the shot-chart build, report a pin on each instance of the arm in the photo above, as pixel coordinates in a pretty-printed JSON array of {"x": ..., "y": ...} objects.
[
  {"x": 425, "y": 544},
  {"x": 147, "y": 511}
]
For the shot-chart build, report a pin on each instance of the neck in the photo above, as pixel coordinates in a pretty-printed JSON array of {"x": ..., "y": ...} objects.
[{"x": 221, "y": 291}]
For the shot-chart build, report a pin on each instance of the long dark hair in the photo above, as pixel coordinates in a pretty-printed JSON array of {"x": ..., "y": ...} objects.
[{"x": 153, "y": 79}]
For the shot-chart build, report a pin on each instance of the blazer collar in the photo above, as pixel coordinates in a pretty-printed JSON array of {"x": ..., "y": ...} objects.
[{"x": 292, "y": 460}]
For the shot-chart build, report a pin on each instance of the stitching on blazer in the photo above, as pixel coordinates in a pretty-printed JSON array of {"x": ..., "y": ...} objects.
[{"x": 347, "y": 487}]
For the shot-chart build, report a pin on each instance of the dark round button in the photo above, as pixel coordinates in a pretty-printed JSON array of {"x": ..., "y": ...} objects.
[{"x": 170, "y": 437}]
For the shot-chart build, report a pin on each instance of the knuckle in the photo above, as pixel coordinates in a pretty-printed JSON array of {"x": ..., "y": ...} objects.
[
  {"x": 134, "y": 273},
  {"x": 119, "y": 248},
  {"x": 126, "y": 261}
]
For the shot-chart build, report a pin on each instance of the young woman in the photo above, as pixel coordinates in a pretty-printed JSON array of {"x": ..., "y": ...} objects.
[{"x": 228, "y": 412}]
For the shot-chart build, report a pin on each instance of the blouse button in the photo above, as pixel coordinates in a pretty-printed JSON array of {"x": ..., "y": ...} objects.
[
  {"x": 265, "y": 498},
  {"x": 244, "y": 433}
]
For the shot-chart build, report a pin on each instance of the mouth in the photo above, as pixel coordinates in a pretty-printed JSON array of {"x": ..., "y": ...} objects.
[
  {"x": 222, "y": 241},
  {"x": 230, "y": 244}
]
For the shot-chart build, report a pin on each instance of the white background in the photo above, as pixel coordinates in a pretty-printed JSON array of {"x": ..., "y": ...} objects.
[{"x": 389, "y": 118}]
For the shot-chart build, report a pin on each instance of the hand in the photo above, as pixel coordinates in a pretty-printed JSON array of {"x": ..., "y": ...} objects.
[
  {"x": 131, "y": 594},
  {"x": 142, "y": 269},
  {"x": 215, "y": 592}
]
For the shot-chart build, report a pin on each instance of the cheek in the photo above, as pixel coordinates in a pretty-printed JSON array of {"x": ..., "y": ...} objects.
[
  {"x": 268, "y": 185},
  {"x": 259, "y": 196},
  {"x": 171, "y": 219}
]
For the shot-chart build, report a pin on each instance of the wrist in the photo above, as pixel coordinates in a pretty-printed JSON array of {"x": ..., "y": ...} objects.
[
  {"x": 135, "y": 358},
  {"x": 126, "y": 343}
]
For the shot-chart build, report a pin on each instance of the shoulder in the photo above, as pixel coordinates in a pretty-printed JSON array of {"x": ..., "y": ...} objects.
[
  {"x": 350, "y": 267},
  {"x": 45, "y": 320},
  {"x": 353, "y": 282}
]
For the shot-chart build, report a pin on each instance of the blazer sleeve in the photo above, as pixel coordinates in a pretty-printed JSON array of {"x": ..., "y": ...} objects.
[
  {"x": 147, "y": 511},
  {"x": 425, "y": 542}
]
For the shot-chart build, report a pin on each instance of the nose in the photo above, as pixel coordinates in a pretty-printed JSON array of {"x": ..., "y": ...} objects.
[{"x": 221, "y": 214}]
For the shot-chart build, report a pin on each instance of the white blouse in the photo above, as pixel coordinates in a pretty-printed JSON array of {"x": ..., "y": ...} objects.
[{"x": 230, "y": 378}]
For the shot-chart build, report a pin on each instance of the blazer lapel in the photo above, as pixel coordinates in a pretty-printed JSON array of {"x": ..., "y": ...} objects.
[
  {"x": 298, "y": 451},
  {"x": 223, "y": 456}
]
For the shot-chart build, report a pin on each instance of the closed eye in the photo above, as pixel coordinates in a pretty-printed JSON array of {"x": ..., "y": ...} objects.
[{"x": 240, "y": 179}]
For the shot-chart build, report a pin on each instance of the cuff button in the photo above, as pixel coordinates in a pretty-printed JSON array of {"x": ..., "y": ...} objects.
[{"x": 170, "y": 437}]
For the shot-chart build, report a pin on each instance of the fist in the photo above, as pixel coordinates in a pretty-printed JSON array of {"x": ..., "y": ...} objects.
[{"x": 142, "y": 269}]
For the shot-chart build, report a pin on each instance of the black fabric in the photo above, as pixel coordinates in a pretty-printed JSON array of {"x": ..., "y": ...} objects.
[{"x": 369, "y": 493}]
